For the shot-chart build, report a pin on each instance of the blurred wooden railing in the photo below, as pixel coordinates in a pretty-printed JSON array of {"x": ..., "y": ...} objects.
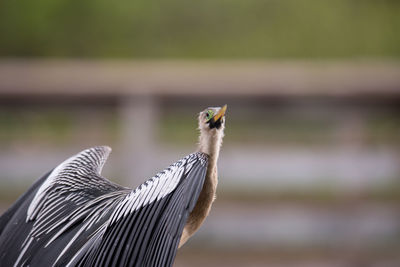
[
  {"x": 127, "y": 80},
  {"x": 235, "y": 78}
]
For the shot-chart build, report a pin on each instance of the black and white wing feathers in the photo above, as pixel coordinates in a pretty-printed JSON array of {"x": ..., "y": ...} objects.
[{"x": 73, "y": 216}]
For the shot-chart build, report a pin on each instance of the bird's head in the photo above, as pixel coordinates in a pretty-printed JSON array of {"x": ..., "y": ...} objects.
[
  {"x": 212, "y": 118},
  {"x": 212, "y": 125}
]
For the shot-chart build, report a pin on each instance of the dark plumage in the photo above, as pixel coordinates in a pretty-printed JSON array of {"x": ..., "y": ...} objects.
[{"x": 73, "y": 216}]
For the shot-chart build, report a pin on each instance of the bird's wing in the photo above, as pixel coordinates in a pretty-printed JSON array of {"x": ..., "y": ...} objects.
[
  {"x": 5, "y": 218},
  {"x": 51, "y": 203},
  {"x": 75, "y": 181},
  {"x": 146, "y": 226},
  {"x": 75, "y": 216}
]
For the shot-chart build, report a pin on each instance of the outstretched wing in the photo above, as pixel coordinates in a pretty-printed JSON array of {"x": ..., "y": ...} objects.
[
  {"x": 146, "y": 226},
  {"x": 30, "y": 223},
  {"x": 74, "y": 216}
]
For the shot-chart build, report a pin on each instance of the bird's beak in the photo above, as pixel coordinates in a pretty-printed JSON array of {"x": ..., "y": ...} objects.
[
  {"x": 220, "y": 113},
  {"x": 216, "y": 122}
]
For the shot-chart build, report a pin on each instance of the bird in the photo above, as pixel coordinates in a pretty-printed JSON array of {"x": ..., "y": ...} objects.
[{"x": 73, "y": 216}]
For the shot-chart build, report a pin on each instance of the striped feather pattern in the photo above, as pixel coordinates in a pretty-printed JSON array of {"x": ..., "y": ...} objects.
[{"x": 76, "y": 217}]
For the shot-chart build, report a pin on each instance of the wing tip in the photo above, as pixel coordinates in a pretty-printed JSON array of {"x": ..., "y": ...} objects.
[
  {"x": 104, "y": 148},
  {"x": 101, "y": 155},
  {"x": 101, "y": 152}
]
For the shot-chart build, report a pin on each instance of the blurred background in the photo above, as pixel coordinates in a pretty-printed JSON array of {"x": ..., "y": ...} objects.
[{"x": 310, "y": 166}]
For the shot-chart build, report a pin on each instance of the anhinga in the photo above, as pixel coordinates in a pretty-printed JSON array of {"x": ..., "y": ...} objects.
[{"x": 73, "y": 216}]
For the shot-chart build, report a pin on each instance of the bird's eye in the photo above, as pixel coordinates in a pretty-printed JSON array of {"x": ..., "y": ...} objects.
[{"x": 209, "y": 114}]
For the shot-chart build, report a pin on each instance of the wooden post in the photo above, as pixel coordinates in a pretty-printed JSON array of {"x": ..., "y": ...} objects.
[{"x": 139, "y": 121}]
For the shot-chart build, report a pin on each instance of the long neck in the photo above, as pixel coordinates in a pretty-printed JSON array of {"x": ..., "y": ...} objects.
[{"x": 209, "y": 144}]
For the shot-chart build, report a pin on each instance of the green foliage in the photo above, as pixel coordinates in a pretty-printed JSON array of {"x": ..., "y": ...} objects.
[
  {"x": 57, "y": 125},
  {"x": 200, "y": 29},
  {"x": 28, "y": 125}
]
